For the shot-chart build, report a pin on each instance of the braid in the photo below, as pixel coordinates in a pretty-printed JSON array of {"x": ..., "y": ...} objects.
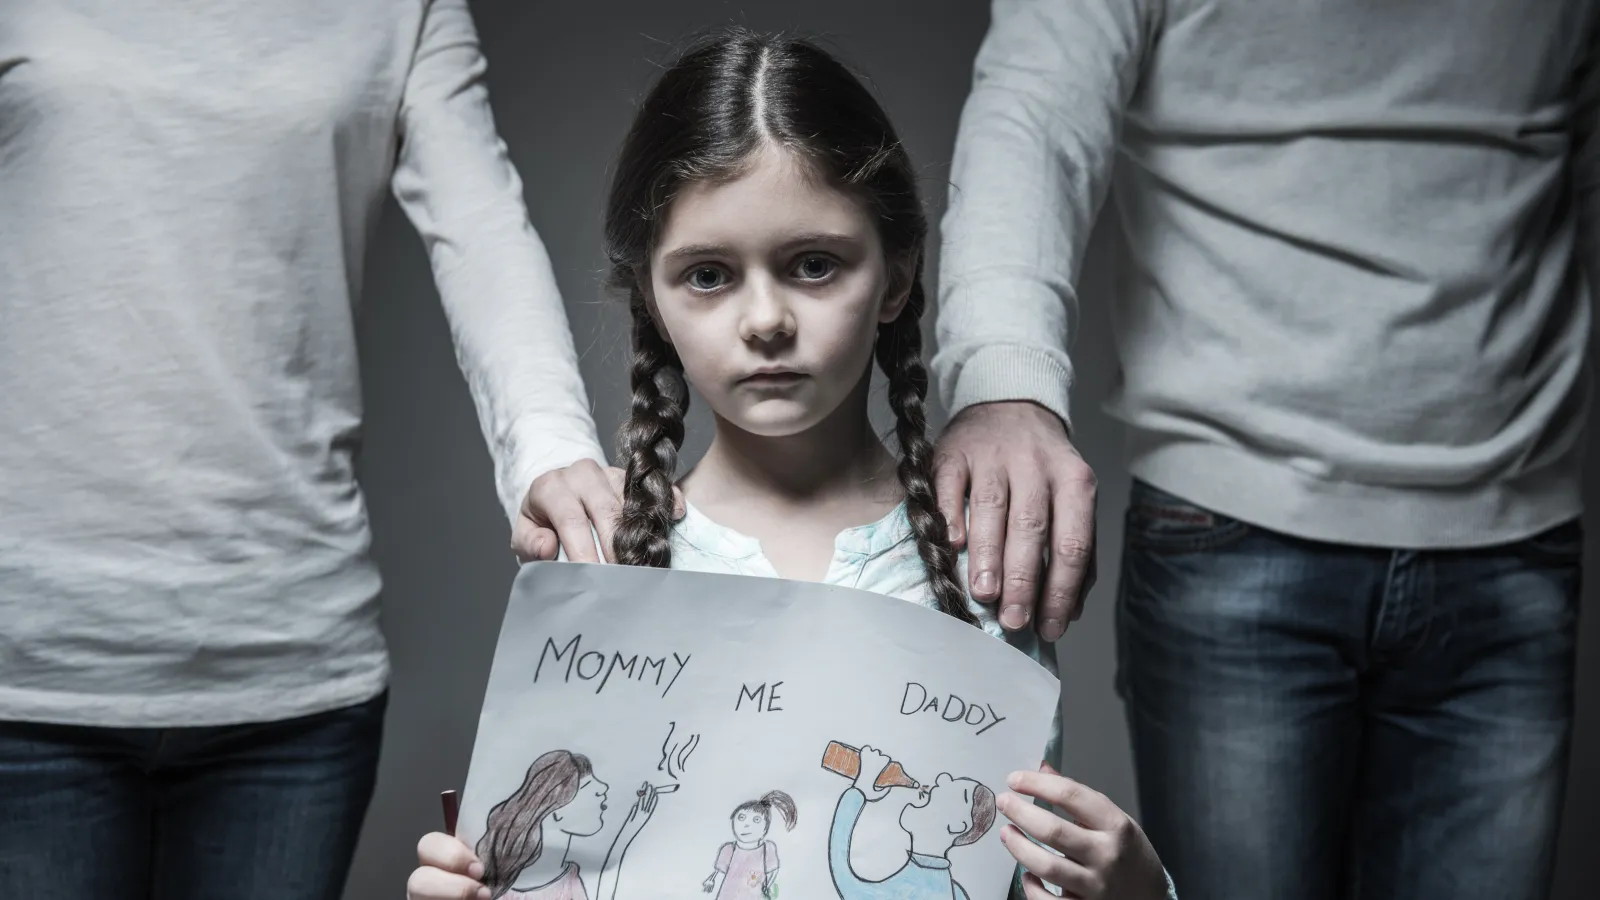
[
  {"x": 648, "y": 444},
  {"x": 899, "y": 354}
]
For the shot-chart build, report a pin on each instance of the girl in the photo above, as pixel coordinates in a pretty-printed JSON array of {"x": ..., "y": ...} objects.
[
  {"x": 747, "y": 866},
  {"x": 559, "y": 798},
  {"x": 764, "y": 224}
]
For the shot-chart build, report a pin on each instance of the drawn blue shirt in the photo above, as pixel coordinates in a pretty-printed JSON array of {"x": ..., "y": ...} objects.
[{"x": 921, "y": 878}]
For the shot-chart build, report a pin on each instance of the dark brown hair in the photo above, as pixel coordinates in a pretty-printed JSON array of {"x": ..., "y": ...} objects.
[
  {"x": 770, "y": 801},
  {"x": 709, "y": 113},
  {"x": 514, "y": 838},
  {"x": 983, "y": 812}
]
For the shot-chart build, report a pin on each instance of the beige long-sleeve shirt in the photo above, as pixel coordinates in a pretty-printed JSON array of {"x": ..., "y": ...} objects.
[
  {"x": 1354, "y": 306},
  {"x": 187, "y": 192}
]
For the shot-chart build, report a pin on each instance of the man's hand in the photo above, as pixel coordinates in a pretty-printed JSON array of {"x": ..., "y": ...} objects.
[
  {"x": 1031, "y": 494},
  {"x": 563, "y": 504},
  {"x": 873, "y": 764}
]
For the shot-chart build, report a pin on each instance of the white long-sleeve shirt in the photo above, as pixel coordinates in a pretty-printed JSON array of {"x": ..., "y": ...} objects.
[
  {"x": 1354, "y": 306},
  {"x": 187, "y": 192}
]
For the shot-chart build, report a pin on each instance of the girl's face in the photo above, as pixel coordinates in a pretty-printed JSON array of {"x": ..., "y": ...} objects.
[
  {"x": 749, "y": 825},
  {"x": 585, "y": 814},
  {"x": 771, "y": 287}
]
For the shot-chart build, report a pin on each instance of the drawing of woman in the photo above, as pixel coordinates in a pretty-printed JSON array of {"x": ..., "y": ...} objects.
[
  {"x": 560, "y": 799},
  {"x": 747, "y": 866}
]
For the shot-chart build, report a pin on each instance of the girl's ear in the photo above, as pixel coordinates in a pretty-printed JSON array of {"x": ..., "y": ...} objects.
[
  {"x": 655, "y": 312},
  {"x": 894, "y": 303},
  {"x": 901, "y": 279}
]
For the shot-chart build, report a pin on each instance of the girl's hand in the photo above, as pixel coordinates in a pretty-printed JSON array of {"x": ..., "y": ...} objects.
[
  {"x": 447, "y": 870},
  {"x": 1105, "y": 853},
  {"x": 708, "y": 884}
]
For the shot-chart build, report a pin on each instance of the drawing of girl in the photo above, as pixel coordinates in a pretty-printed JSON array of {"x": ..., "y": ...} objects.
[
  {"x": 560, "y": 799},
  {"x": 747, "y": 866}
]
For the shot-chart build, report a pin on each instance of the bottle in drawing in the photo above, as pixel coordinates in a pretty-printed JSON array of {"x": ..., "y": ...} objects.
[{"x": 845, "y": 760}]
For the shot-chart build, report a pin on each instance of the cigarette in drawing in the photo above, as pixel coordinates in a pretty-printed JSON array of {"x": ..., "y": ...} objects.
[{"x": 660, "y": 789}]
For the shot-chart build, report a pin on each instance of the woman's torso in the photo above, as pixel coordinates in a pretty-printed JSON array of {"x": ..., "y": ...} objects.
[{"x": 188, "y": 189}]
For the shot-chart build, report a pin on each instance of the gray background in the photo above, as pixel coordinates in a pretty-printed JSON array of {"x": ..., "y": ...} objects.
[{"x": 563, "y": 77}]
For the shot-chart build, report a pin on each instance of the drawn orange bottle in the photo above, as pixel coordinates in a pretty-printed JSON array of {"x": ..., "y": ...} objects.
[{"x": 845, "y": 760}]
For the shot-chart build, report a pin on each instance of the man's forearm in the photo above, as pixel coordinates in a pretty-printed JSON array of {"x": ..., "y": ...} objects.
[{"x": 1033, "y": 158}]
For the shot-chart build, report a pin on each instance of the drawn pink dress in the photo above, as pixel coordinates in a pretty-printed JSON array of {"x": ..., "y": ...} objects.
[
  {"x": 745, "y": 870},
  {"x": 566, "y": 886}
]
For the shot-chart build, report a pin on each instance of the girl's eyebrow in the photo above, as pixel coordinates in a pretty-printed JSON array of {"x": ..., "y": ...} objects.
[
  {"x": 817, "y": 237},
  {"x": 690, "y": 251}
]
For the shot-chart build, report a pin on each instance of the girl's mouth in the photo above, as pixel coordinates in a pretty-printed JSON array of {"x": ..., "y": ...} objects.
[{"x": 773, "y": 379}]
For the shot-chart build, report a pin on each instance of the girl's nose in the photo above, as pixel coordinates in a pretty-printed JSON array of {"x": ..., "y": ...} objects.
[{"x": 765, "y": 315}]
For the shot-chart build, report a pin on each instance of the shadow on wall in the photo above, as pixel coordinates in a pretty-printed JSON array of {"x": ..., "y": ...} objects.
[{"x": 563, "y": 78}]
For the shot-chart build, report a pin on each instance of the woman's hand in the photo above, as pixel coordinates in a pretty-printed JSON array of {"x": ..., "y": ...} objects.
[
  {"x": 643, "y": 808},
  {"x": 1104, "y": 853},
  {"x": 447, "y": 870},
  {"x": 560, "y": 507}
]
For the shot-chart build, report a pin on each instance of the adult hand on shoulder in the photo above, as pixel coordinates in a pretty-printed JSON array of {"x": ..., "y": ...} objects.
[
  {"x": 560, "y": 507},
  {"x": 1030, "y": 495}
]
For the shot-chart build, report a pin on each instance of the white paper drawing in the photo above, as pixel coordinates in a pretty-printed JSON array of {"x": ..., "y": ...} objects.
[{"x": 652, "y": 734}]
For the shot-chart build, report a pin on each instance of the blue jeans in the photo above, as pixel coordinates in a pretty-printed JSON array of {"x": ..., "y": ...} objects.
[
  {"x": 1313, "y": 721},
  {"x": 247, "y": 812}
]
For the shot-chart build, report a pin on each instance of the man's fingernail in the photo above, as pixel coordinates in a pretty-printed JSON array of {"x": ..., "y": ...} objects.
[
  {"x": 1053, "y": 628},
  {"x": 985, "y": 582},
  {"x": 475, "y": 870},
  {"x": 1014, "y": 617}
]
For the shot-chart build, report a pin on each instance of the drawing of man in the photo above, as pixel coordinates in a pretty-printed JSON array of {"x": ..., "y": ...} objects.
[{"x": 950, "y": 813}]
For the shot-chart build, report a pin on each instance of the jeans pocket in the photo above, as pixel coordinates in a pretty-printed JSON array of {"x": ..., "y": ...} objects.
[
  {"x": 1163, "y": 523},
  {"x": 1563, "y": 543}
]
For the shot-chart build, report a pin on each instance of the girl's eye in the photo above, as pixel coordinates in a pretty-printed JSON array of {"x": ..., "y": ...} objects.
[
  {"x": 815, "y": 268},
  {"x": 705, "y": 278}
]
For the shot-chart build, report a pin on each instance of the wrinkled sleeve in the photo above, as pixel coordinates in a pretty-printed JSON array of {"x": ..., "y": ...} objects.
[
  {"x": 1033, "y": 159},
  {"x": 1586, "y": 160},
  {"x": 456, "y": 183}
]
